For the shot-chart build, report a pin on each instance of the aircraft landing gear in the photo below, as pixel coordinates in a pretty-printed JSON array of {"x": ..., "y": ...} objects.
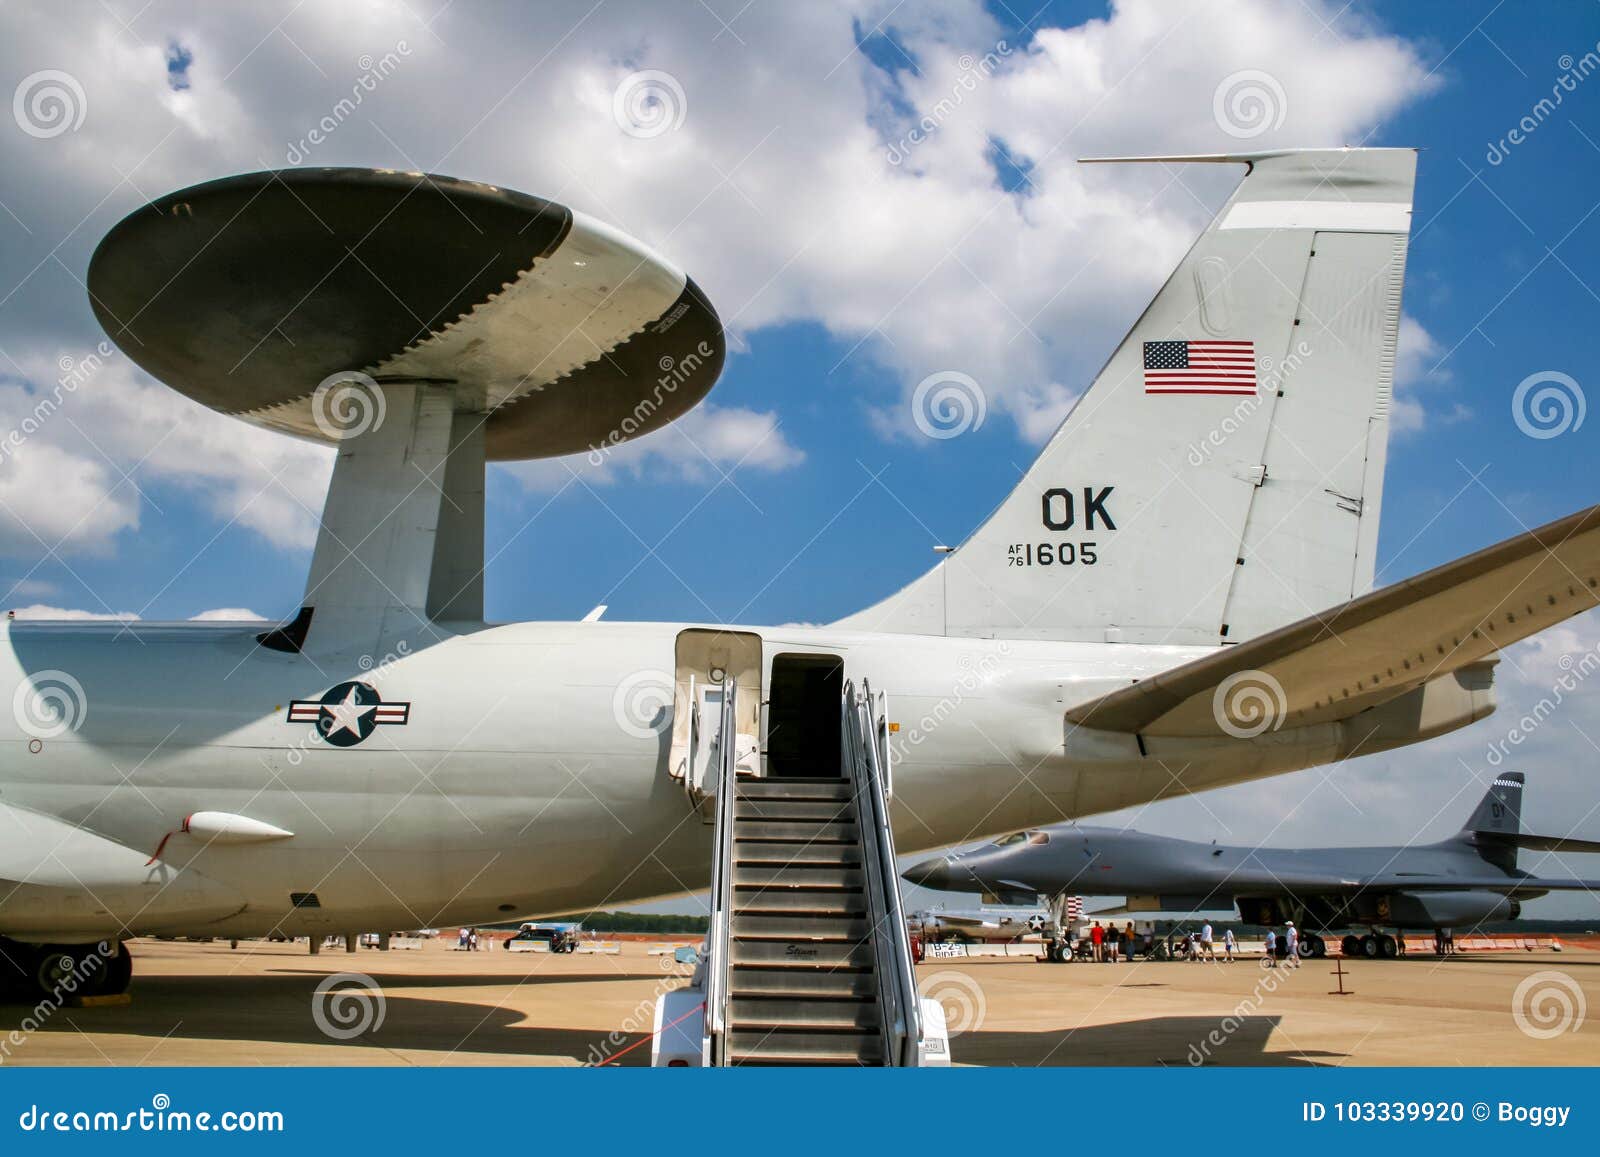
[
  {"x": 60, "y": 971},
  {"x": 1373, "y": 946}
]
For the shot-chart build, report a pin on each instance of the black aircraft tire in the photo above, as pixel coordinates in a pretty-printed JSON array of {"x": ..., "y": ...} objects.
[
  {"x": 1369, "y": 947},
  {"x": 1388, "y": 947},
  {"x": 118, "y": 972},
  {"x": 1318, "y": 948},
  {"x": 1350, "y": 945}
]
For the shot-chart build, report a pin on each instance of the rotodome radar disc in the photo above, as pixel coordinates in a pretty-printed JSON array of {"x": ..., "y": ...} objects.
[{"x": 247, "y": 293}]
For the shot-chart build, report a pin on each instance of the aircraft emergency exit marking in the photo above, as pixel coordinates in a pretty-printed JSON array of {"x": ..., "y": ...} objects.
[{"x": 347, "y": 713}]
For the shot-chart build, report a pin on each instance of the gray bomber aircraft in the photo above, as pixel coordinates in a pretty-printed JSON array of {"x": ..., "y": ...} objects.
[
  {"x": 1468, "y": 880},
  {"x": 1177, "y": 595}
]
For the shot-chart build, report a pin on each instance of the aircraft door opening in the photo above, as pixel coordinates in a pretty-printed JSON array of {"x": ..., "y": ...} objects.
[
  {"x": 803, "y": 716},
  {"x": 704, "y": 658}
]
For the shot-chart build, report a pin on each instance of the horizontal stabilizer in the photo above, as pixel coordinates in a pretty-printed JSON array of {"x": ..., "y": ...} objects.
[
  {"x": 1365, "y": 652},
  {"x": 1552, "y": 844}
]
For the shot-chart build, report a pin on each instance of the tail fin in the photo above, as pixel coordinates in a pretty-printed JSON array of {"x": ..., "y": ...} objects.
[
  {"x": 1497, "y": 822},
  {"x": 1222, "y": 476}
]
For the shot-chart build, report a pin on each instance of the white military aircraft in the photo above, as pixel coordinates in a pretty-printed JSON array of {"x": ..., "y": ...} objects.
[{"x": 1174, "y": 597}]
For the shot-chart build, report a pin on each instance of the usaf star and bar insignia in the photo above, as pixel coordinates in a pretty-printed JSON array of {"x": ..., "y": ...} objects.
[{"x": 347, "y": 713}]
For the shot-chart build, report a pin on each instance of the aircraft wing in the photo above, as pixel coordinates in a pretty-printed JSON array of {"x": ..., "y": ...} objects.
[
  {"x": 1332, "y": 665},
  {"x": 1397, "y": 882}
]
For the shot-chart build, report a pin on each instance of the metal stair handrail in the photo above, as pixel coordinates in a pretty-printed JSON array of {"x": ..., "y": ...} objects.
[
  {"x": 719, "y": 965},
  {"x": 867, "y": 761}
]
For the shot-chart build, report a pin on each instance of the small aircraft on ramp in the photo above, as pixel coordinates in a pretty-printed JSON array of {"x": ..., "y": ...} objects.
[
  {"x": 1470, "y": 879},
  {"x": 1176, "y": 596}
]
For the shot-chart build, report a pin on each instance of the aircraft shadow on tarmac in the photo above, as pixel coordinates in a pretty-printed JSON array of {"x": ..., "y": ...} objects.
[
  {"x": 278, "y": 1010},
  {"x": 1177, "y": 1041}
]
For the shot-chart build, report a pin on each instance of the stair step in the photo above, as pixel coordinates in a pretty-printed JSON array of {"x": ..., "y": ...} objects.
[
  {"x": 772, "y": 902},
  {"x": 821, "y": 954},
  {"x": 804, "y": 1047},
  {"x": 767, "y": 876},
  {"x": 815, "y": 789},
  {"x": 829, "y": 811},
  {"x": 803, "y": 830},
  {"x": 775, "y": 852},
  {"x": 756, "y": 982},
  {"x": 802, "y": 926},
  {"x": 757, "y": 1013}
]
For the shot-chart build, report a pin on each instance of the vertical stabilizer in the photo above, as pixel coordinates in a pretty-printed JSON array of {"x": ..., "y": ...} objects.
[
  {"x": 1223, "y": 474},
  {"x": 1497, "y": 821}
]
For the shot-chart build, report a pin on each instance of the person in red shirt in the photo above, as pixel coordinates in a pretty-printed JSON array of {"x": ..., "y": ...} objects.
[{"x": 1097, "y": 934}]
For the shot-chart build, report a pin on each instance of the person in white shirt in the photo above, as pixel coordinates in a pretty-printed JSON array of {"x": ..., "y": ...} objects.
[
  {"x": 1207, "y": 945},
  {"x": 1292, "y": 937},
  {"x": 1271, "y": 947},
  {"x": 1228, "y": 944}
]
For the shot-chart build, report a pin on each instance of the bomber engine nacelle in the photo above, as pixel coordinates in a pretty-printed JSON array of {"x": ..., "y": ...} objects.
[{"x": 1448, "y": 909}]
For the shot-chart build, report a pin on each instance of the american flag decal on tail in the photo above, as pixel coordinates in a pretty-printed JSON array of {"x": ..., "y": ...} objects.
[{"x": 1200, "y": 367}]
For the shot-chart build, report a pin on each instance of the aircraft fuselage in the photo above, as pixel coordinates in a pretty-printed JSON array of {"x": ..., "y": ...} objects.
[{"x": 500, "y": 776}]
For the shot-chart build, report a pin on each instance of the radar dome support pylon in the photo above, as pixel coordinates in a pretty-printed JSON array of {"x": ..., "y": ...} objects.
[{"x": 424, "y": 324}]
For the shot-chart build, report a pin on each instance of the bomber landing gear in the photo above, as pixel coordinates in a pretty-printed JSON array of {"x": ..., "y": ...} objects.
[{"x": 1373, "y": 946}]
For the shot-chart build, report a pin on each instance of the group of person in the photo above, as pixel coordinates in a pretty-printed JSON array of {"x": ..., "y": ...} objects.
[
  {"x": 1291, "y": 946},
  {"x": 468, "y": 941},
  {"x": 1202, "y": 945},
  {"x": 1110, "y": 943}
]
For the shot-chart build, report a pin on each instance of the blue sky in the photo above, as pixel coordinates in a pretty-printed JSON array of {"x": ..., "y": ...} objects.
[{"x": 833, "y": 500}]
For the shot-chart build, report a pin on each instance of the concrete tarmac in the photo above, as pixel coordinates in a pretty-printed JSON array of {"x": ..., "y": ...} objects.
[{"x": 207, "y": 1004}]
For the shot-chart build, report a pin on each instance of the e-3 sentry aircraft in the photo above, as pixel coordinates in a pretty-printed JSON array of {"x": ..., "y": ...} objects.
[
  {"x": 1174, "y": 597},
  {"x": 1468, "y": 880}
]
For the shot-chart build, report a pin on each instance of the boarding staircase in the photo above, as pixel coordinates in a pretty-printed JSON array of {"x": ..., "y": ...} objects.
[{"x": 809, "y": 961}]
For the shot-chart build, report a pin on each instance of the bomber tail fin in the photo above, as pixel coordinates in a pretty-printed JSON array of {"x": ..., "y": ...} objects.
[{"x": 1496, "y": 823}]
